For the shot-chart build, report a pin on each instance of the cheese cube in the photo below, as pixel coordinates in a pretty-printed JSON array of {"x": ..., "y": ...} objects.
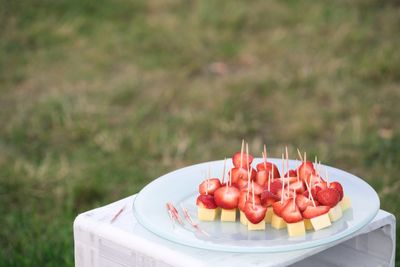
[
  {"x": 268, "y": 215},
  {"x": 308, "y": 225},
  {"x": 335, "y": 213},
  {"x": 296, "y": 229},
  {"x": 345, "y": 203},
  {"x": 277, "y": 222},
  {"x": 207, "y": 214},
  {"x": 254, "y": 227},
  {"x": 228, "y": 215},
  {"x": 321, "y": 222},
  {"x": 243, "y": 218}
]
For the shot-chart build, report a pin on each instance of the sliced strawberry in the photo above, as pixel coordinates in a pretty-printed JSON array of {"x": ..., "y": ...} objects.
[
  {"x": 258, "y": 189},
  {"x": 312, "y": 212},
  {"x": 291, "y": 173},
  {"x": 254, "y": 213},
  {"x": 276, "y": 186},
  {"x": 303, "y": 202},
  {"x": 338, "y": 187},
  {"x": 291, "y": 213},
  {"x": 206, "y": 201},
  {"x": 298, "y": 186},
  {"x": 268, "y": 198},
  {"x": 289, "y": 180},
  {"x": 317, "y": 187},
  {"x": 328, "y": 197},
  {"x": 278, "y": 207},
  {"x": 241, "y": 173},
  {"x": 243, "y": 198},
  {"x": 227, "y": 197},
  {"x": 306, "y": 169},
  {"x": 241, "y": 160},
  {"x": 269, "y": 167},
  {"x": 262, "y": 178},
  {"x": 213, "y": 184}
]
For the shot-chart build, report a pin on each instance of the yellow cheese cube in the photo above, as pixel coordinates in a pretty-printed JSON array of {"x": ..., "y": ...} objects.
[
  {"x": 345, "y": 203},
  {"x": 268, "y": 215},
  {"x": 254, "y": 227},
  {"x": 277, "y": 222},
  {"x": 320, "y": 222},
  {"x": 228, "y": 215},
  {"x": 207, "y": 214},
  {"x": 243, "y": 218},
  {"x": 335, "y": 213},
  {"x": 308, "y": 225},
  {"x": 296, "y": 229}
]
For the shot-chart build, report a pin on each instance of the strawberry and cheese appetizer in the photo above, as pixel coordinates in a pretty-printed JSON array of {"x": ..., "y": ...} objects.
[
  {"x": 207, "y": 209},
  {"x": 294, "y": 220},
  {"x": 227, "y": 198}
]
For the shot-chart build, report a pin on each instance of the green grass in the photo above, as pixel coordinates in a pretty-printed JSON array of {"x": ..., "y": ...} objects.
[{"x": 97, "y": 98}]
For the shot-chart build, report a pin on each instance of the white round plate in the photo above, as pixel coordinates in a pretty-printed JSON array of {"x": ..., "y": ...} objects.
[{"x": 180, "y": 187}]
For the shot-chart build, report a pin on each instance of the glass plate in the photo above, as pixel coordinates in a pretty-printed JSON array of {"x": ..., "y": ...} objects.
[{"x": 180, "y": 187}]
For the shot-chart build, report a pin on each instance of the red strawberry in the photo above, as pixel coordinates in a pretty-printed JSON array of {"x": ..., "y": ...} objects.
[
  {"x": 317, "y": 187},
  {"x": 269, "y": 167},
  {"x": 291, "y": 173},
  {"x": 258, "y": 189},
  {"x": 338, "y": 187},
  {"x": 241, "y": 160},
  {"x": 206, "y": 201},
  {"x": 312, "y": 212},
  {"x": 268, "y": 198},
  {"x": 243, "y": 198},
  {"x": 298, "y": 186},
  {"x": 289, "y": 180},
  {"x": 303, "y": 202},
  {"x": 291, "y": 213},
  {"x": 276, "y": 186},
  {"x": 254, "y": 213},
  {"x": 227, "y": 197},
  {"x": 241, "y": 173},
  {"x": 306, "y": 169},
  {"x": 213, "y": 184},
  {"x": 262, "y": 178},
  {"x": 278, "y": 207},
  {"x": 328, "y": 197}
]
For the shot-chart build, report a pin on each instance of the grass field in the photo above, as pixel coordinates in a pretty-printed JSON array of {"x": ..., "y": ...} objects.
[{"x": 97, "y": 98}]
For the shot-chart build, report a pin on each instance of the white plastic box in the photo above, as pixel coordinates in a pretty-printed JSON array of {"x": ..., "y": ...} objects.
[{"x": 124, "y": 242}]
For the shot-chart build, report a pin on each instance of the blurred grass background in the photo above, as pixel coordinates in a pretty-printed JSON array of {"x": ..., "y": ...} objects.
[{"x": 97, "y": 98}]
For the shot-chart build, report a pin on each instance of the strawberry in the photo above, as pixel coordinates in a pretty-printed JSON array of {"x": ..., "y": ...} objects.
[
  {"x": 289, "y": 180},
  {"x": 278, "y": 207},
  {"x": 269, "y": 167},
  {"x": 213, "y": 184},
  {"x": 258, "y": 189},
  {"x": 206, "y": 201},
  {"x": 338, "y": 187},
  {"x": 262, "y": 178},
  {"x": 254, "y": 213},
  {"x": 328, "y": 197},
  {"x": 276, "y": 186},
  {"x": 298, "y": 186},
  {"x": 243, "y": 198},
  {"x": 291, "y": 213},
  {"x": 303, "y": 202},
  {"x": 241, "y": 160},
  {"x": 227, "y": 197},
  {"x": 268, "y": 198},
  {"x": 306, "y": 169},
  {"x": 317, "y": 187},
  {"x": 291, "y": 173},
  {"x": 241, "y": 173},
  {"x": 312, "y": 212}
]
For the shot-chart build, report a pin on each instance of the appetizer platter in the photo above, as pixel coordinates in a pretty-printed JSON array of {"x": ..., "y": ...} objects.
[{"x": 248, "y": 204}]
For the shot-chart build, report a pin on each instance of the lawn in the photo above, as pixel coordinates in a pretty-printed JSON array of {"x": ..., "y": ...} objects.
[{"x": 97, "y": 98}]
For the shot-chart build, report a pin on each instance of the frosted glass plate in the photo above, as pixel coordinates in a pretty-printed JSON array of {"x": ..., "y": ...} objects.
[{"x": 180, "y": 187}]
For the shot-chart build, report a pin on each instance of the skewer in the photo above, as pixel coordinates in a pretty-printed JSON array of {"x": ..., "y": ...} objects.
[
  {"x": 282, "y": 180},
  {"x": 287, "y": 160},
  {"x": 117, "y": 214},
  {"x": 294, "y": 199},
  {"x": 309, "y": 192},
  {"x": 191, "y": 222},
  {"x": 269, "y": 181},
  {"x": 248, "y": 167},
  {"x": 252, "y": 187},
  {"x": 224, "y": 170},
  {"x": 299, "y": 153},
  {"x": 297, "y": 172},
  {"x": 265, "y": 152},
  {"x": 241, "y": 154}
]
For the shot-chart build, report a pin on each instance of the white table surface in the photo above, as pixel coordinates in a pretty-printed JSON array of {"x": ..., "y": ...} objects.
[{"x": 124, "y": 242}]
